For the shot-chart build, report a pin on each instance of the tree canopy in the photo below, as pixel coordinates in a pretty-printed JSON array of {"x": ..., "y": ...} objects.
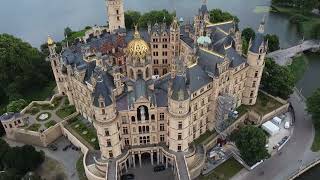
[
  {"x": 154, "y": 16},
  {"x": 17, "y": 161},
  {"x": 251, "y": 142},
  {"x": 273, "y": 42},
  {"x": 277, "y": 80},
  {"x": 217, "y": 15},
  {"x": 248, "y": 33},
  {"x": 23, "y": 69},
  {"x": 302, "y": 4},
  {"x": 313, "y": 107},
  {"x": 16, "y": 106}
]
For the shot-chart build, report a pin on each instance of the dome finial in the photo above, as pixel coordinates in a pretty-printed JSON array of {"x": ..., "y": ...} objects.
[
  {"x": 50, "y": 40},
  {"x": 136, "y": 32}
]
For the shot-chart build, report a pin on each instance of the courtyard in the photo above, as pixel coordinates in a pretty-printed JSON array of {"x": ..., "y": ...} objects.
[{"x": 146, "y": 173}]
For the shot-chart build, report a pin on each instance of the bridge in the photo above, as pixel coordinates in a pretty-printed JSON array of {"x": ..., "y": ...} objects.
[{"x": 283, "y": 56}]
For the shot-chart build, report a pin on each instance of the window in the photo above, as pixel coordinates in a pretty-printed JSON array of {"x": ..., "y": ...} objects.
[
  {"x": 117, "y": 11},
  {"x": 155, "y": 61},
  {"x": 124, "y": 119},
  {"x": 107, "y": 133},
  {"x": 118, "y": 18},
  {"x": 125, "y": 130},
  {"x": 155, "y": 46},
  {"x": 179, "y": 136},
  {"x": 152, "y": 117},
  {"x": 161, "y": 127},
  {"x": 161, "y": 116},
  {"x": 144, "y": 139},
  {"x": 5, "y": 126},
  {"x": 179, "y": 147},
  {"x": 108, "y": 142},
  {"x": 126, "y": 141},
  {"x": 250, "y": 101},
  {"x": 164, "y": 39},
  {"x": 103, "y": 111},
  {"x": 256, "y": 74},
  {"x": 165, "y": 71},
  {"x": 110, "y": 154},
  {"x": 164, "y": 46},
  {"x": 162, "y": 138},
  {"x": 195, "y": 107},
  {"x": 101, "y": 104},
  {"x": 164, "y": 53},
  {"x": 144, "y": 129},
  {"x": 254, "y": 84},
  {"x": 179, "y": 125},
  {"x": 133, "y": 119},
  {"x": 164, "y": 61},
  {"x": 155, "y": 53},
  {"x": 251, "y": 94}
]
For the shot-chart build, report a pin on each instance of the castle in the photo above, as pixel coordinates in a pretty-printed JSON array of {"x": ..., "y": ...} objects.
[{"x": 152, "y": 92}]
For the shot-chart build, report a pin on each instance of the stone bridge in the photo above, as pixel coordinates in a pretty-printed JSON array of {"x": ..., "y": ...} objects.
[{"x": 283, "y": 56}]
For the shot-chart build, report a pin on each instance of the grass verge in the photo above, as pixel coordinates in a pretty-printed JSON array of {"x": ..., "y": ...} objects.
[
  {"x": 298, "y": 67},
  {"x": 316, "y": 140},
  {"x": 264, "y": 104},
  {"x": 225, "y": 171},
  {"x": 80, "y": 169}
]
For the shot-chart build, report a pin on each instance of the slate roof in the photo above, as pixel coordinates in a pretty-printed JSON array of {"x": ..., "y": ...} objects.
[
  {"x": 9, "y": 116},
  {"x": 103, "y": 89},
  {"x": 197, "y": 78},
  {"x": 209, "y": 61},
  {"x": 256, "y": 43},
  {"x": 179, "y": 88}
]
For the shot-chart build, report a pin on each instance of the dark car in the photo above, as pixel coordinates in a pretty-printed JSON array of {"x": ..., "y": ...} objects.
[
  {"x": 53, "y": 147},
  {"x": 159, "y": 168},
  {"x": 127, "y": 177}
]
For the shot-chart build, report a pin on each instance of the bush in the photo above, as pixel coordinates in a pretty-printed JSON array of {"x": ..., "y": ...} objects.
[
  {"x": 34, "y": 127},
  {"x": 50, "y": 123},
  {"x": 33, "y": 110},
  {"x": 65, "y": 111}
]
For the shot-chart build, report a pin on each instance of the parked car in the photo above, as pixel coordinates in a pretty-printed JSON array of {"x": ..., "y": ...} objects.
[
  {"x": 159, "y": 168},
  {"x": 53, "y": 147},
  {"x": 127, "y": 177}
]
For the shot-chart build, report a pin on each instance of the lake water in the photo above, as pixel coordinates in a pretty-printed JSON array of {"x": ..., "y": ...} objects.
[{"x": 33, "y": 20}]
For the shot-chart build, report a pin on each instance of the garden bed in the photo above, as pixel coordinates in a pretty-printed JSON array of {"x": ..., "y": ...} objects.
[
  {"x": 34, "y": 127},
  {"x": 50, "y": 123},
  {"x": 65, "y": 111}
]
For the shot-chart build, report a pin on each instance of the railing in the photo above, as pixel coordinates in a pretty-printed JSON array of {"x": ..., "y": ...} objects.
[{"x": 303, "y": 169}]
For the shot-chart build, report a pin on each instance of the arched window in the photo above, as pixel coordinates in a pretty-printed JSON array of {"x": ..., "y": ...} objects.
[
  {"x": 131, "y": 74},
  {"x": 147, "y": 72},
  {"x": 133, "y": 119},
  {"x": 165, "y": 71},
  {"x": 140, "y": 74},
  {"x": 155, "y": 72}
]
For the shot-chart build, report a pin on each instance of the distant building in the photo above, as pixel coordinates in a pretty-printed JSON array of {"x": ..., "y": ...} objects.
[{"x": 109, "y": 75}]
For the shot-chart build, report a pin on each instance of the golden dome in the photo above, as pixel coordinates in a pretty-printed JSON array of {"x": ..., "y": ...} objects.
[
  {"x": 50, "y": 40},
  {"x": 137, "y": 48}
]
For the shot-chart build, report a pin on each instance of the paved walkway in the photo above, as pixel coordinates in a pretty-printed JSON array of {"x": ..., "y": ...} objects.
[
  {"x": 283, "y": 56},
  {"x": 294, "y": 154}
]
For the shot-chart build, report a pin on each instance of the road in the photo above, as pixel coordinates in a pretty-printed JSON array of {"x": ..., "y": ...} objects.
[
  {"x": 283, "y": 56},
  {"x": 67, "y": 158},
  {"x": 294, "y": 154}
]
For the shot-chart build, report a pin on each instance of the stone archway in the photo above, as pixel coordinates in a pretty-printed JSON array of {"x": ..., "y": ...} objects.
[{"x": 145, "y": 158}]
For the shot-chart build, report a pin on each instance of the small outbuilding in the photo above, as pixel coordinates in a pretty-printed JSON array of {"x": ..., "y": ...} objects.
[
  {"x": 277, "y": 120},
  {"x": 271, "y": 128}
]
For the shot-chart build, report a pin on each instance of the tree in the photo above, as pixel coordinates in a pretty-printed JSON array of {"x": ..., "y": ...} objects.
[
  {"x": 251, "y": 143},
  {"x": 217, "y": 15},
  {"x": 248, "y": 33},
  {"x": 273, "y": 42},
  {"x": 315, "y": 31},
  {"x": 313, "y": 107},
  {"x": 16, "y": 106},
  {"x": 277, "y": 80},
  {"x": 4, "y": 147},
  {"x": 23, "y": 159},
  {"x": 67, "y": 32},
  {"x": 131, "y": 18},
  {"x": 155, "y": 17},
  {"x": 23, "y": 68},
  {"x": 2, "y": 131},
  {"x": 45, "y": 50}
]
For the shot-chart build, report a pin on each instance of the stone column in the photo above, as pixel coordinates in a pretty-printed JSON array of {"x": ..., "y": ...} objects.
[
  {"x": 151, "y": 157},
  {"x": 134, "y": 160},
  {"x": 140, "y": 159},
  {"x": 130, "y": 161},
  {"x": 125, "y": 166},
  {"x": 158, "y": 157},
  {"x": 166, "y": 162}
]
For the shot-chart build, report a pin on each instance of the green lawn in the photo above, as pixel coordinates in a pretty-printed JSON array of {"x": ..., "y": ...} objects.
[
  {"x": 299, "y": 66},
  {"x": 65, "y": 111},
  {"x": 34, "y": 127},
  {"x": 316, "y": 140},
  {"x": 50, "y": 123},
  {"x": 264, "y": 104},
  {"x": 80, "y": 128},
  {"x": 225, "y": 171},
  {"x": 307, "y": 23},
  {"x": 80, "y": 169},
  {"x": 205, "y": 138}
]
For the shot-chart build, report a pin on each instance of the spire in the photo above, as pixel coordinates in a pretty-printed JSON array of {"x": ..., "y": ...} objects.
[
  {"x": 261, "y": 27},
  {"x": 204, "y": 1},
  {"x": 50, "y": 40},
  {"x": 136, "y": 32}
]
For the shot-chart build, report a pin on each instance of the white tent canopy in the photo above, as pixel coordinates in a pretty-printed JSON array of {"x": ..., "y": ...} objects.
[
  {"x": 277, "y": 120},
  {"x": 271, "y": 128}
]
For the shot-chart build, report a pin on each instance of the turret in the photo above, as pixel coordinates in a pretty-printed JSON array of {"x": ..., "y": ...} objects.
[
  {"x": 256, "y": 58},
  {"x": 175, "y": 37},
  {"x": 115, "y": 15},
  {"x": 105, "y": 118}
]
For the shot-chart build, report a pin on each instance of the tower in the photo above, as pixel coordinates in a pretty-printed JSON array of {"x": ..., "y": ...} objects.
[
  {"x": 201, "y": 19},
  {"x": 115, "y": 12},
  {"x": 56, "y": 66},
  {"x": 179, "y": 110},
  {"x": 175, "y": 38},
  {"x": 256, "y": 58}
]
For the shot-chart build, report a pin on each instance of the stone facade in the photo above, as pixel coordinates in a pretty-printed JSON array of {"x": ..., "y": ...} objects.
[{"x": 157, "y": 86}]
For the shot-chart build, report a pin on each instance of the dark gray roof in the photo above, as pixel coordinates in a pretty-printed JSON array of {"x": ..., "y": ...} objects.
[
  {"x": 197, "y": 78},
  {"x": 122, "y": 102},
  {"x": 203, "y": 9},
  {"x": 257, "y": 42},
  {"x": 179, "y": 88},
  {"x": 209, "y": 61},
  {"x": 226, "y": 27},
  {"x": 235, "y": 58},
  {"x": 143, "y": 34},
  {"x": 184, "y": 36},
  {"x": 140, "y": 89},
  {"x": 103, "y": 89},
  {"x": 9, "y": 115},
  {"x": 161, "y": 98}
]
